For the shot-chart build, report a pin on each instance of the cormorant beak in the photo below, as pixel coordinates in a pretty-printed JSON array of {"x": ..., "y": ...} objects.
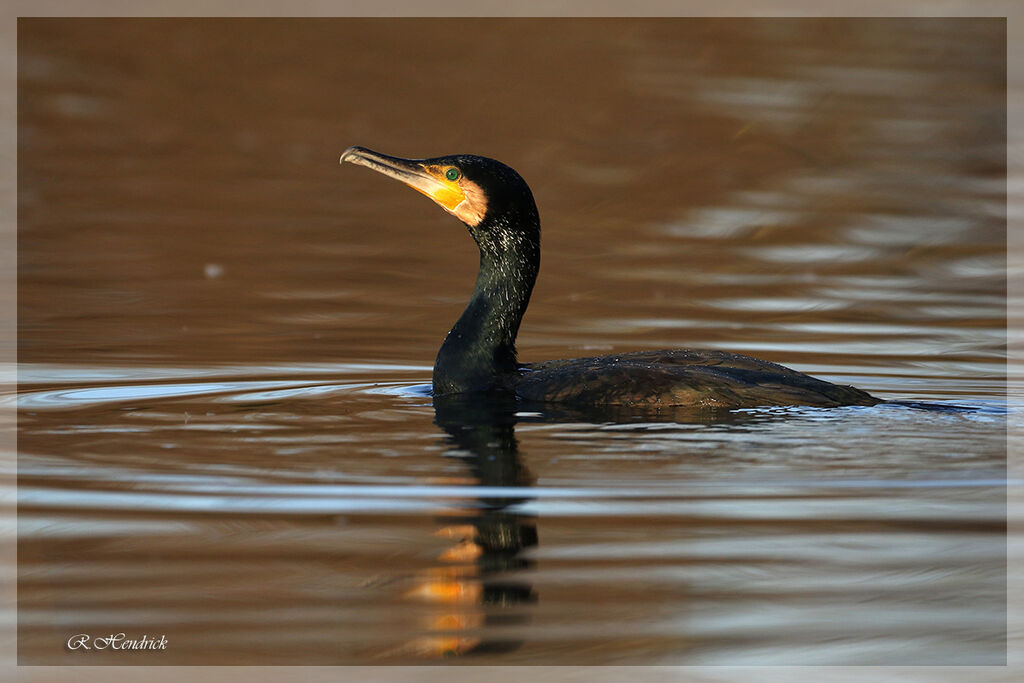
[{"x": 419, "y": 174}]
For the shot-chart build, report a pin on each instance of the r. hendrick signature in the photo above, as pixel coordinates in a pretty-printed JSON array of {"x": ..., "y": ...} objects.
[{"x": 116, "y": 641}]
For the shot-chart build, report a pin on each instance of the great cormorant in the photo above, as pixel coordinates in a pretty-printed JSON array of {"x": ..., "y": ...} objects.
[{"x": 479, "y": 353}]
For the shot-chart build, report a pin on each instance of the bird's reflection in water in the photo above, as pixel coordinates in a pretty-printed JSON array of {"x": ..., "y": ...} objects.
[
  {"x": 479, "y": 585},
  {"x": 476, "y": 584}
]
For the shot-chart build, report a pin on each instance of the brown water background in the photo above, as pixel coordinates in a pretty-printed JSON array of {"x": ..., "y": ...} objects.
[{"x": 225, "y": 340}]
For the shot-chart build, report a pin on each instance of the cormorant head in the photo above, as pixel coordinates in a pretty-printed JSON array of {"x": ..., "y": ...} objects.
[{"x": 492, "y": 199}]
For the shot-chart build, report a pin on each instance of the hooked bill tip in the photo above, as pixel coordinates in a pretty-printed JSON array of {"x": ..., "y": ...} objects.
[{"x": 350, "y": 152}]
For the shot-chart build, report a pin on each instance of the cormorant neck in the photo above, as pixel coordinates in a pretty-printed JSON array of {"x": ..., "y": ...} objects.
[{"x": 481, "y": 345}]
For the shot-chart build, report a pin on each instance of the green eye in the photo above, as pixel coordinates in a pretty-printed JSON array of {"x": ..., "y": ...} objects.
[{"x": 452, "y": 174}]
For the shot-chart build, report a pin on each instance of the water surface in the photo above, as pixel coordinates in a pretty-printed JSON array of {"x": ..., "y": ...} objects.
[{"x": 225, "y": 343}]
